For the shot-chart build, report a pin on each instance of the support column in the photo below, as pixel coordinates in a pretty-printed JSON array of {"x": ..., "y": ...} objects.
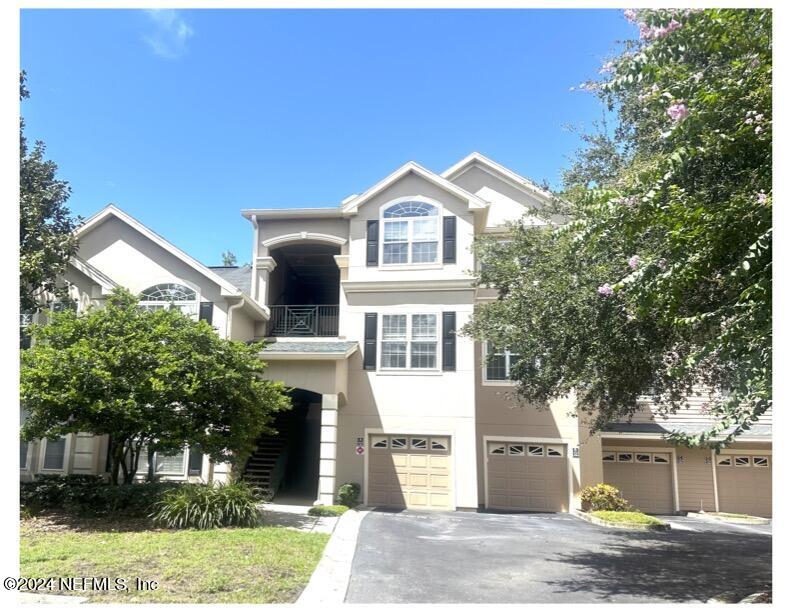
[{"x": 328, "y": 448}]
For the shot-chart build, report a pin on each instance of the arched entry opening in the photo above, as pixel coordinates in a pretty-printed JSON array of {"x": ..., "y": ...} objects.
[{"x": 287, "y": 462}]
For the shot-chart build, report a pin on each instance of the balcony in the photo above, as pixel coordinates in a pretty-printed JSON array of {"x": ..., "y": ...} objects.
[{"x": 320, "y": 320}]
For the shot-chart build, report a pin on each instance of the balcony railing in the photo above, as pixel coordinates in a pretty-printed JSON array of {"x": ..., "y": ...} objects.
[{"x": 308, "y": 320}]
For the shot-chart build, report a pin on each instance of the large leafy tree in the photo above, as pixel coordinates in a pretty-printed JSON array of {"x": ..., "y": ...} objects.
[
  {"x": 149, "y": 379},
  {"x": 46, "y": 239},
  {"x": 660, "y": 283}
]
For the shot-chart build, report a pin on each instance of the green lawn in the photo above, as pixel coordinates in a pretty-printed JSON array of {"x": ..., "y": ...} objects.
[
  {"x": 258, "y": 565},
  {"x": 627, "y": 517}
]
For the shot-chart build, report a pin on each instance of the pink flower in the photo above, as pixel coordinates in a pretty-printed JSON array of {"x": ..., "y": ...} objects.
[
  {"x": 633, "y": 261},
  {"x": 749, "y": 121},
  {"x": 631, "y": 15},
  {"x": 654, "y": 32},
  {"x": 758, "y": 129},
  {"x": 605, "y": 290},
  {"x": 678, "y": 111},
  {"x": 761, "y": 197},
  {"x": 662, "y": 263}
]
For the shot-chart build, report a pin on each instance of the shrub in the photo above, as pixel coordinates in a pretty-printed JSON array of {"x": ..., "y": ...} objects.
[
  {"x": 201, "y": 506},
  {"x": 603, "y": 497},
  {"x": 327, "y": 510},
  {"x": 348, "y": 494},
  {"x": 90, "y": 495}
]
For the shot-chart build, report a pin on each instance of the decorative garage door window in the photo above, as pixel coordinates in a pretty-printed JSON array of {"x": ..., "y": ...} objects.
[
  {"x": 744, "y": 461},
  {"x": 628, "y": 457},
  {"x": 519, "y": 449},
  {"x": 417, "y": 443}
]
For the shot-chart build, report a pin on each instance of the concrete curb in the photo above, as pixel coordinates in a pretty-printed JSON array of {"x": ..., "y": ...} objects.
[
  {"x": 756, "y": 520},
  {"x": 328, "y": 583},
  {"x": 629, "y": 526}
]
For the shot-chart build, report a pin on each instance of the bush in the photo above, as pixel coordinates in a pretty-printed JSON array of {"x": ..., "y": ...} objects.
[
  {"x": 327, "y": 510},
  {"x": 603, "y": 497},
  {"x": 348, "y": 494},
  {"x": 201, "y": 506},
  {"x": 90, "y": 495}
]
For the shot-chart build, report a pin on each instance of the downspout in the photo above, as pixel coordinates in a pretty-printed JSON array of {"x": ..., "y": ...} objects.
[{"x": 231, "y": 309}]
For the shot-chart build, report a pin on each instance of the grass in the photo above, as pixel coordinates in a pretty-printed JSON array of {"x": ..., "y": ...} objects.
[
  {"x": 628, "y": 518},
  {"x": 233, "y": 565},
  {"x": 327, "y": 510}
]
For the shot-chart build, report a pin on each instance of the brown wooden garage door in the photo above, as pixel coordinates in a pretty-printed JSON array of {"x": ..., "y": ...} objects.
[
  {"x": 410, "y": 471},
  {"x": 643, "y": 477},
  {"x": 745, "y": 483},
  {"x": 527, "y": 476}
]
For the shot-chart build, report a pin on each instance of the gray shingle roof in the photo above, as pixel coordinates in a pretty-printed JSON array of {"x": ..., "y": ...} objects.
[
  {"x": 757, "y": 431},
  {"x": 308, "y": 347},
  {"x": 239, "y": 276}
]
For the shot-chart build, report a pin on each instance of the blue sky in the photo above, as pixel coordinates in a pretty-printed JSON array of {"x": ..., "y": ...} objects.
[{"x": 184, "y": 118}]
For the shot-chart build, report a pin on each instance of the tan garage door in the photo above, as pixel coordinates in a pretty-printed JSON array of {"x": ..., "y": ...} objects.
[
  {"x": 527, "y": 476},
  {"x": 745, "y": 483},
  {"x": 410, "y": 471},
  {"x": 643, "y": 477}
]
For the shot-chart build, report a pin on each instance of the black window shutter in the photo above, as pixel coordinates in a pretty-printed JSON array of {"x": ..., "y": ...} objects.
[
  {"x": 195, "y": 463},
  {"x": 372, "y": 242},
  {"x": 205, "y": 313},
  {"x": 449, "y": 240},
  {"x": 370, "y": 342},
  {"x": 449, "y": 341}
]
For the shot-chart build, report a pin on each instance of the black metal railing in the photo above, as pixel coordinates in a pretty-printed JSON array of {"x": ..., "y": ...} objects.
[{"x": 305, "y": 320}]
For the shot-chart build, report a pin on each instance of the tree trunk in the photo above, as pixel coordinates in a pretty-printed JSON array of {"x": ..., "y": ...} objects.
[
  {"x": 117, "y": 454},
  {"x": 150, "y": 451}
]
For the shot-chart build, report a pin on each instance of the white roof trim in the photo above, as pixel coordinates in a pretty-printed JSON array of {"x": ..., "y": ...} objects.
[
  {"x": 307, "y": 356},
  {"x": 292, "y": 213},
  {"x": 486, "y": 163},
  {"x": 100, "y": 278},
  {"x": 112, "y": 210},
  {"x": 474, "y": 202}
]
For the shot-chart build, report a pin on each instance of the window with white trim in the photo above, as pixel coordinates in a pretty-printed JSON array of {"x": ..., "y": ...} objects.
[
  {"x": 411, "y": 233},
  {"x": 54, "y": 454},
  {"x": 169, "y": 464},
  {"x": 625, "y": 457},
  {"x": 398, "y": 442},
  {"x": 643, "y": 458},
  {"x": 499, "y": 363},
  {"x": 608, "y": 456},
  {"x": 555, "y": 450},
  {"x": 439, "y": 444},
  {"x": 496, "y": 448},
  {"x": 661, "y": 457},
  {"x": 761, "y": 462},
  {"x": 379, "y": 441},
  {"x": 409, "y": 342},
  {"x": 170, "y": 295},
  {"x": 742, "y": 461},
  {"x": 535, "y": 451},
  {"x": 419, "y": 443},
  {"x": 516, "y": 449}
]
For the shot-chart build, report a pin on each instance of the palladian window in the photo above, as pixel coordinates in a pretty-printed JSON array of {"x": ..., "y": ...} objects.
[
  {"x": 411, "y": 233},
  {"x": 170, "y": 295}
]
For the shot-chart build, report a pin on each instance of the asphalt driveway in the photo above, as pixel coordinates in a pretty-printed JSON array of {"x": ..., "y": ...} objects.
[{"x": 459, "y": 557}]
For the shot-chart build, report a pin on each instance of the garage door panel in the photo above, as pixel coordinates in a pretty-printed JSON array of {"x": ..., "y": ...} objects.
[
  {"x": 647, "y": 486},
  {"x": 410, "y": 477},
  {"x": 528, "y": 482},
  {"x": 746, "y": 489}
]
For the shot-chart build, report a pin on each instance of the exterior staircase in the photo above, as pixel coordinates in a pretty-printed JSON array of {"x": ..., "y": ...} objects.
[{"x": 264, "y": 468}]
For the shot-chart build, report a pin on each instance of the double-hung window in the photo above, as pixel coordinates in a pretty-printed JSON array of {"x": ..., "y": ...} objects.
[
  {"x": 499, "y": 363},
  {"x": 411, "y": 233},
  {"x": 409, "y": 341}
]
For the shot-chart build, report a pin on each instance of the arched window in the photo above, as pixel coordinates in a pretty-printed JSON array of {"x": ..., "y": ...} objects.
[
  {"x": 411, "y": 231},
  {"x": 170, "y": 295}
]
